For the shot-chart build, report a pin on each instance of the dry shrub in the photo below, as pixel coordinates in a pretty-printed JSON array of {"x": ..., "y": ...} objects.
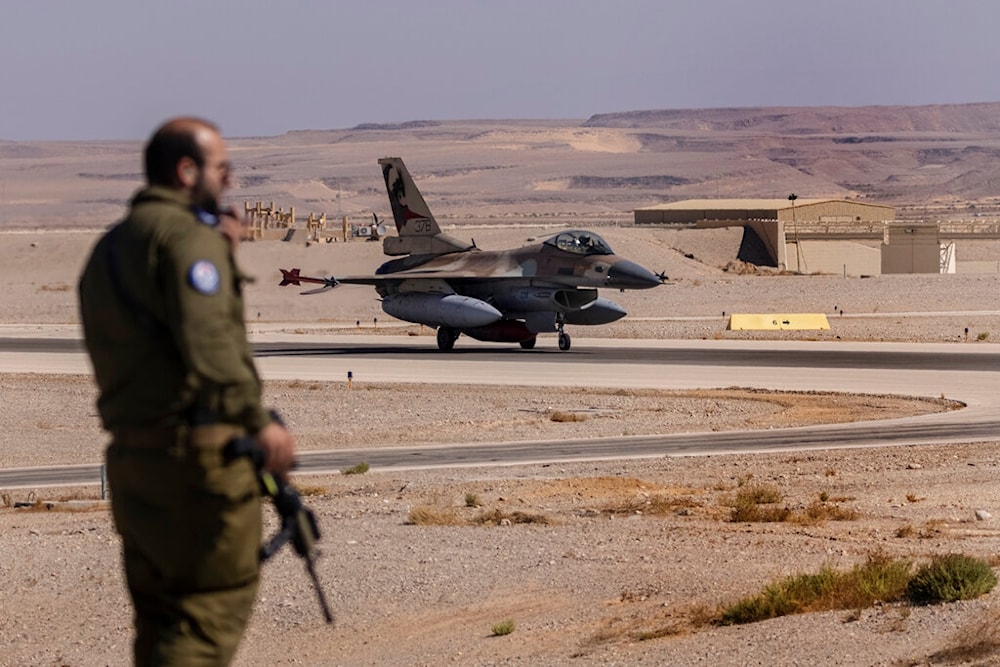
[
  {"x": 667, "y": 630},
  {"x": 655, "y": 504},
  {"x": 820, "y": 511},
  {"x": 311, "y": 490},
  {"x": 425, "y": 515},
  {"x": 498, "y": 517},
  {"x": 747, "y": 513},
  {"x": 564, "y": 416},
  {"x": 759, "y": 494},
  {"x": 301, "y": 384},
  {"x": 756, "y": 503},
  {"x": 932, "y": 529}
]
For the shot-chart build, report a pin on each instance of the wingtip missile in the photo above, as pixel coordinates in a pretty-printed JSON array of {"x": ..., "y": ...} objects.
[
  {"x": 293, "y": 277},
  {"x": 289, "y": 277}
]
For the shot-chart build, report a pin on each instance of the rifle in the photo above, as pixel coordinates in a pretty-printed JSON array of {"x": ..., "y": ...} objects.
[{"x": 298, "y": 523}]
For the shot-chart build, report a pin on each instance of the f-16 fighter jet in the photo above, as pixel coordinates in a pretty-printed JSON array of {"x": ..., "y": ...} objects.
[{"x": 504, "y": 296}]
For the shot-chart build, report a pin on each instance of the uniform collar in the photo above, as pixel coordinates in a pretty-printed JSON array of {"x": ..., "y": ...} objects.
[{"x": 161, "y": 193}]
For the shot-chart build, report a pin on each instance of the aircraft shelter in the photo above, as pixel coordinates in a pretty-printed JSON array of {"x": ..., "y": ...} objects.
[{"x": 815, "y": 235}]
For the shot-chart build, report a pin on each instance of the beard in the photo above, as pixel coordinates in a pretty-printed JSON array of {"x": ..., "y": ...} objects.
[{"x": 203, "y": 198}]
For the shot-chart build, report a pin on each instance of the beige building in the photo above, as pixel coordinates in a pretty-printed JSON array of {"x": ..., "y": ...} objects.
[
  {"x": 916, "y": 248},
  {"x": 804, "y": 235},
  {"x": 693, "y": 211}
]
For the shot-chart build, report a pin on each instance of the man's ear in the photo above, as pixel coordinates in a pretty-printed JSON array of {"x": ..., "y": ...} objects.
[{"x": 187, "y": 172}]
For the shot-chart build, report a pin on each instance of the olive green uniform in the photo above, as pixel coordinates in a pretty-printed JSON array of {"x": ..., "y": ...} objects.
[{"x": 162, "y": 312}]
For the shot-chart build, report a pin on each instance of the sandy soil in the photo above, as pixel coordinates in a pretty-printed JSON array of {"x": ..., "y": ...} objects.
[{"x": 615, "y": 549}]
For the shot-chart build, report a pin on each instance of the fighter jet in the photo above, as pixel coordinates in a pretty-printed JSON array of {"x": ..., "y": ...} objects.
[{"x": 505, "y": 296}]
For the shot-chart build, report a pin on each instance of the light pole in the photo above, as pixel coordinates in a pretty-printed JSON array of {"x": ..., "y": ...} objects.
[{"x": 795, "y": 228}]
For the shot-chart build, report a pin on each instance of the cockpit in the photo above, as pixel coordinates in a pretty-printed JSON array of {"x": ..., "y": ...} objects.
[{"x": 580, "y": 242}]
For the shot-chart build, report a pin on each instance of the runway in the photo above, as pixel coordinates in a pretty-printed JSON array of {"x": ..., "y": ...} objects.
[{"x": 967, "y": 373}]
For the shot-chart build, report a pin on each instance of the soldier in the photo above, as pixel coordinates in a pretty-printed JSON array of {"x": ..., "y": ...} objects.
[{"x": 162, "y": 310}]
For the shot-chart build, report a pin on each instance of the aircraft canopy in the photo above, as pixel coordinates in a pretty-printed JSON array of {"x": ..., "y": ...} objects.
[{"x": 580, "y": 242}]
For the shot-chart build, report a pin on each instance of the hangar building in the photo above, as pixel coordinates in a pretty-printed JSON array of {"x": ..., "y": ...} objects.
[
  {"x": 743, "y": 210},
  {"x": 812, "y": 235}
]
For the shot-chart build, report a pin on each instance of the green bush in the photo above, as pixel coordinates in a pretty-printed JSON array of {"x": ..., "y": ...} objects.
[
  {"x": 880, "y": 579},
  {"x": 791, "y": 595},
  {"x": 949, "y": 578},
  {"x": 503, "y": 628}
]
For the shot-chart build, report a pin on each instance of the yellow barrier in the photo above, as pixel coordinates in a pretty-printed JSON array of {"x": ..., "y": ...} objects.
[{"x": 771, "y": 322}]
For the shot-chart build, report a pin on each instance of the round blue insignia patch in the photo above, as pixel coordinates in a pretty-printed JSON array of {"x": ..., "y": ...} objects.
[
  {"x": 204, "y": 277},
  {"x": 206, "y": 217}
]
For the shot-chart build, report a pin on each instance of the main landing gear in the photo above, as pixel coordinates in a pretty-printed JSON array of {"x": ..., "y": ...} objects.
[{"x": 446, "y": 337}]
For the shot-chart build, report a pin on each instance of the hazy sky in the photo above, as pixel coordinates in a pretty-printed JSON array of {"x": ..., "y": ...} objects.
[{"x": 105, "y": 69}]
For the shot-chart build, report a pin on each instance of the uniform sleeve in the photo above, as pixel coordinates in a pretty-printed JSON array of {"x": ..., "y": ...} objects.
[{"x": 205, "y": 311}]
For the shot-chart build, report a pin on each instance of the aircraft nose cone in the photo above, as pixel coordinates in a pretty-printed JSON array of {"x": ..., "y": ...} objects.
[{"x": 624, "y": 274}]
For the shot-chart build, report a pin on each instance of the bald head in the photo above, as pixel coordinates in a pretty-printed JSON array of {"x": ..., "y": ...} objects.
[{"x": 173, "y": 141}]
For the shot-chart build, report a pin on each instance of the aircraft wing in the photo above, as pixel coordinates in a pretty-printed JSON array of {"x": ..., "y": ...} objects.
[
  {"x": 294, "y": 278},
  {"x": 450, "y": 276}
]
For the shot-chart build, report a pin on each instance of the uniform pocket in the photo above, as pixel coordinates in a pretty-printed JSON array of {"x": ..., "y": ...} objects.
[{"x": 192, "y": 517}]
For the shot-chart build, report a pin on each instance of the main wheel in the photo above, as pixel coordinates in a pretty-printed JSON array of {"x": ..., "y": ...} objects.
[
  {"x": 528, "y": 344},
  {"x": 564, "y": 341},
  {"x": 446, "y": 338}
]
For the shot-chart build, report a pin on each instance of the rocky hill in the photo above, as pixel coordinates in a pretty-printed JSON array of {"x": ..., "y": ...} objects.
[
  {"x": 932, "y": 162},
  {"x": 975, "y": 118}
]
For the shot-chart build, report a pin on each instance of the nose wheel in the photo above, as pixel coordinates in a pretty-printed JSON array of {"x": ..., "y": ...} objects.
[{"x": 564, "y": 340}]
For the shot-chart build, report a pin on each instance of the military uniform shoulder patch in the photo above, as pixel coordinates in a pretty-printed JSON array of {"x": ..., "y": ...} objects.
[
  {"x": 204, "y": 277},
  {"x": 206, "y": 217}
]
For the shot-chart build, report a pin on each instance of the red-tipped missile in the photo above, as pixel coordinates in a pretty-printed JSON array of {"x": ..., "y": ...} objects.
[
  {"x": 294, "y": 278},
  {"x": 289, "y": 277}
]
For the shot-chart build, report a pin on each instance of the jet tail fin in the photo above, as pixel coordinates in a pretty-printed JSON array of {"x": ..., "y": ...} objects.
[{"x": 418, "y": 231}]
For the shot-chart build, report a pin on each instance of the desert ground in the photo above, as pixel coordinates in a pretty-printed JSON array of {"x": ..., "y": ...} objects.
[{"x": 608, "y": 562}]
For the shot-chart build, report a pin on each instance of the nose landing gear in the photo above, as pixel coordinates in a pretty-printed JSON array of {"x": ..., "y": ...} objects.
[{"x": 564, "y": 339}]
